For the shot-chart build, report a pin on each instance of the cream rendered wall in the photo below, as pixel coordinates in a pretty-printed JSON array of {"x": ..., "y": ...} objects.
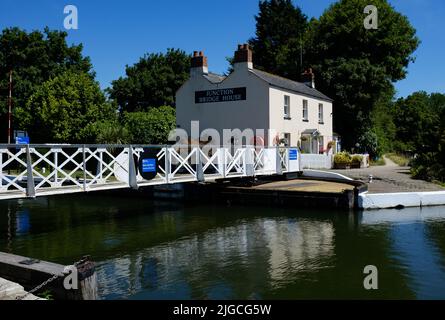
[
  {"x": 295, "y": 126},
  {"x": 251, "y": 113}
]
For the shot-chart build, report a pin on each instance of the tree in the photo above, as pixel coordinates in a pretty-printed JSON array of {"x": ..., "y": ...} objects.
[
  {"x": 34, "y": 58},
  {"x": 151, "y": 127},
  {"x": 420, "y": 128},
  {"x": 354, "y": 65},
  {"x": 106, "y": 132},
  {"x": 382, "y": 122},
  {"x": 62, "y": 108},
  {"x": 280, "y": 27},
  {"x": 417, "y": 123},
  {"x": 152, "y": 82}
]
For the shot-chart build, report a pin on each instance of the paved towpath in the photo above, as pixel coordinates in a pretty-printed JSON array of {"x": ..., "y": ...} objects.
[{"x": 390, "y": 178}]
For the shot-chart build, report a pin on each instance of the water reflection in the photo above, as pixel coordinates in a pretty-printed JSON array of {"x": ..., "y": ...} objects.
[
  {"x": 151, "y": 250},
  {"x": 217, "y": 263}
]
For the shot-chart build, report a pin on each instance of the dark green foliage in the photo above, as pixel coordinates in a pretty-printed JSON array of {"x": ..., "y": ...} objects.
[
  {"x": 151, "y": 127},
  {"x": 152, "y": 82},
  {"x": 280, "y": 27},
  {"x": 382, "y": 122},
  {"x": 368, "y": 143},
  {"x": 424, "y": 130},
  {"x": 62, "y": 109},
  {"x": 107, "y": 132},
  {"x": 34, "y": 57},
  {"x": 356, "y": 66},
  {"x": 417, "y": 123}
]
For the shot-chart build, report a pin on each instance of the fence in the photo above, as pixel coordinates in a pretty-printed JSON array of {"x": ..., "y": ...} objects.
[
  {"x": 33, "y": 170},
  {"x": 316, "y": 161}
]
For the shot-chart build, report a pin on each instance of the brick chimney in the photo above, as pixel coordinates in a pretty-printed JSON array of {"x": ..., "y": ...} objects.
[
  {"x": 308, "y": 78},
  {"x": 198, "y": 64},
  {"x": 243, "y": 57}
]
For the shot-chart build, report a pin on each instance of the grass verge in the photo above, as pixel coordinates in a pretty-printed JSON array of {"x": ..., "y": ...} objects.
[{"x": 399, "y": 159}]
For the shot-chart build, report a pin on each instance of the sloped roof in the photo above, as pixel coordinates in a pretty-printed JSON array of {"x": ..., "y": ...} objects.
[
  {"x": 214, "y": 78},
  {"x": 290, "y": 85}
]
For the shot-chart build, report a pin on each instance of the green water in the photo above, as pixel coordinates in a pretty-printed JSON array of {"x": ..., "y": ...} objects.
[{"x": 161, "y": 250}]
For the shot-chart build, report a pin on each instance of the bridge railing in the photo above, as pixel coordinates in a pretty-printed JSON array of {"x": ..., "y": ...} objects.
[{"x": 31, "y": 170}]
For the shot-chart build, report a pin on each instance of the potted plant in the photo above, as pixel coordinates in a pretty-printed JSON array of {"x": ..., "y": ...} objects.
[{"x": 342, "y": 160}]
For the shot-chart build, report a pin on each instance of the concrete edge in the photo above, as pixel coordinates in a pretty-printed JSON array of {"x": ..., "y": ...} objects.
[
  {"x": 401, "y": 199},
  {"x": 310, "y": 173}
]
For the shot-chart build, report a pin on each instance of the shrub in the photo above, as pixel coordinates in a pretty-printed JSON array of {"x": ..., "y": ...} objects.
[
  {"x": 357, "y": 158},
  {"x": 342, "y": 158},
  {"x": 151, "y": 127}
]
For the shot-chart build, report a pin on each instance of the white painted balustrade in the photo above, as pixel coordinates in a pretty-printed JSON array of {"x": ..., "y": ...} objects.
[{"x": 39, "y": 170}]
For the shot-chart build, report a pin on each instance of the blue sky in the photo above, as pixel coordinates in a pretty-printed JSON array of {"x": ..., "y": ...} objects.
[{"x": 117, "y": 33}]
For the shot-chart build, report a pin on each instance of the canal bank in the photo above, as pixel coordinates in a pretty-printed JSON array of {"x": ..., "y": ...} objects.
[
  {"x": 391, "y": 186},
  {"x": 287, "y": 191}
]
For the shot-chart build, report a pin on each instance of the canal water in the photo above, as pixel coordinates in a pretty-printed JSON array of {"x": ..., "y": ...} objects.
[{"x": 160, "y": 250}]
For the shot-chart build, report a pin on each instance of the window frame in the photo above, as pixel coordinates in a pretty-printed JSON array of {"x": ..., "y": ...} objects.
[
  {"x": 286, "y": 106},
  {"x": 321, "y": 113},
  {"x": 305, "y": 115}
]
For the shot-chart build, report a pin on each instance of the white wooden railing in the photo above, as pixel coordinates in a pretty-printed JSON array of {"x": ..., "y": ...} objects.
[{"x": 37, "y": 170}]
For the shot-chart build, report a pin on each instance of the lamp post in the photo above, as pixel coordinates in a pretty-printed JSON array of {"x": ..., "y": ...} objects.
[{"x": 10, "y": 106}]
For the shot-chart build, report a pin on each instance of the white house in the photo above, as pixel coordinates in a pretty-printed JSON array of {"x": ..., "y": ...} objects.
[{"x": 289, "y": 112}]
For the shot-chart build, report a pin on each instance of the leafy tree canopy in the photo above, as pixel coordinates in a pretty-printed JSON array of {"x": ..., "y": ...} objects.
[
  {"x": 417, "y": 120},
  {"x": 280, "y": 27},
  {"x": 151, "y": 82},
  {"x": 429, "y": 163},
  {"x": 354, "y": 65},
  {"x": 151, "y": 127},
  {"x": 34, "y": 58},
  {"x": 62, "y": 108}
]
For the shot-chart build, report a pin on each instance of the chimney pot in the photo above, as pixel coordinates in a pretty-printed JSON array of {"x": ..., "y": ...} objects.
[
  {"x": 308, "y": 78},
  {"x": 198, "y": 63},
  {"x": 244, "y": 55}
]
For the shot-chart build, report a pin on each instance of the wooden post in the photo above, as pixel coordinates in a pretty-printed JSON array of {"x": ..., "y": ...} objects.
[
  {"x": 199, "y": 169},
  {"x": 30, "y": 187},
  {"x": 167, "y": 164},
  {"x": 278, "y": 169},
  {"x": 132, "y": 179}
]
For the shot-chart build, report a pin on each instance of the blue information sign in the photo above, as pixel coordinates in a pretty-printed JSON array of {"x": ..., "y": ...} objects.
[
  {"x": 22, "y": 140},
  {"x": 148, "y": 165},
  {"x": 293, "y": 154}
]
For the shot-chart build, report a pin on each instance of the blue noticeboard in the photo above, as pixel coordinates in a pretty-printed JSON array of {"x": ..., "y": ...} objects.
[
  {"x": 148, "y": 165},
  {"x": 22, "y": 140},
  {"x": 293, "y": 154}
]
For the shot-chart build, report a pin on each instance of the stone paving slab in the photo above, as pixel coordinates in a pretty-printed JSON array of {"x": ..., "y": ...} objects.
[{"x": 390, "y": 178}]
